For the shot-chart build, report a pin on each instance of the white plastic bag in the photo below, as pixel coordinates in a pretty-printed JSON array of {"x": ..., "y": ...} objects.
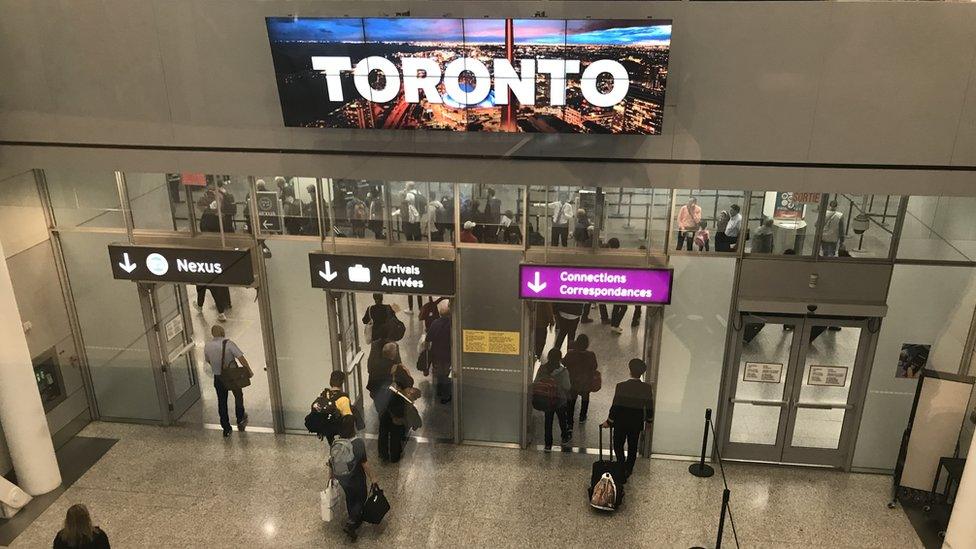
[{"x": 329, "y": 501}]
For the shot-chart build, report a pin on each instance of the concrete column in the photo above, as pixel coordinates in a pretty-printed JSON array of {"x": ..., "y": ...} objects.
[
  {"x": 21, "y": 411},
  {"x": 961, "y": 533}
]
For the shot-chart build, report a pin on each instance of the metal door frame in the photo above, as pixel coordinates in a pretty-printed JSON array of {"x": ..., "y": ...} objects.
[
  {"x": 782, "y": 451},
  {"x": 171, "y": 406},
  {"x": 840, "y": 456}
]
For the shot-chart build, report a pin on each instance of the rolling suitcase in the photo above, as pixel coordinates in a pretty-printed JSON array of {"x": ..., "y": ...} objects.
[{"x": 609, "y": 467}]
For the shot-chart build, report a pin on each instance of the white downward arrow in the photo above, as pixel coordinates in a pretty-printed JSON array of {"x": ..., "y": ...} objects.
[
  {"x": 536, "y": 286},
  {"x": 329, "y": 275},
  {"x": 126, "y": 265}
]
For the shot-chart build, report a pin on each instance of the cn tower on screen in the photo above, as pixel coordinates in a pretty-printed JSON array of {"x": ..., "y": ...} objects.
[{"x": 508, "y": 110}]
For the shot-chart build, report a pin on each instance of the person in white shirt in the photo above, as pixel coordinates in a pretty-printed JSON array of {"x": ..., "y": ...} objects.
[
  {"x": 833, "y": 231},
  {"x": 561, "y": 213},
  {"x": 732, "y": 229},
  {"x": 435, "y": 210}
]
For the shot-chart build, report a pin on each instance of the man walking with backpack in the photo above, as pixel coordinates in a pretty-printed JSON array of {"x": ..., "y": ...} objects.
[
  {"x": 348, "y": 465},
  {"x": 632, "y": 408},
  {"x": 329, "y": 409},
  {"x": 550, "y": 393}
]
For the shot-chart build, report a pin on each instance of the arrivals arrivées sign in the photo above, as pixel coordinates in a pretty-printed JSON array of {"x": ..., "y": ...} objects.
[
  {"x": 384, "y": 275},
  {"x": 593, "y": 284},
  {"x": 185, "y": 265},
  {"x": 495, "y": 75}
]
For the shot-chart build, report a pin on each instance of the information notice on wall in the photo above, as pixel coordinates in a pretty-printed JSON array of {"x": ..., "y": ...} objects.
[
  {"x": 827, "y": 376},
  {"x": 491, "y": 342},
  {"x": 762, "y": 372}
]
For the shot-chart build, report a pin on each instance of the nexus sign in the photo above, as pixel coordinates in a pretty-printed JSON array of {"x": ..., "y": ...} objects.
[{"x": 218, "y": 267}]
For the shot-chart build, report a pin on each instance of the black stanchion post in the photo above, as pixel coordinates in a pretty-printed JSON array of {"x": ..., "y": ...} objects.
[
  {"x": 721, "y": 519},
  {"x": 700, "y": 469}
]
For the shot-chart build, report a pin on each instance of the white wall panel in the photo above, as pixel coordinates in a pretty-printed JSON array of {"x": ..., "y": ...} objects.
[
  {"x": 893, "y": 83},
  {"x": 771, "y": 81}
]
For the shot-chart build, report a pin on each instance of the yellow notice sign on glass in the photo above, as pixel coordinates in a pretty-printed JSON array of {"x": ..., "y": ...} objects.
[{"x": 489, "y": 342}]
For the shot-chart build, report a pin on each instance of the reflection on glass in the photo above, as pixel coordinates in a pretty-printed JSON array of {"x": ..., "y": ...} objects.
[
  {"x": 292, "y": 209},
  {"x": 939, "y": 228},
  {"x": 84, "y": 199},
  {"x": 701, "y": 218},
  {"x": 408, "y": 201},
  {"x": 782, "y": 223},
  {"x": 859, "y": 225},
  {"x": 356, "y": 206},
  {"x": 158, "y": 201},
  {"x": 827, "y": 373},
  {"x": 493, "y": 214},
  {"x": 761, "y": 376}
]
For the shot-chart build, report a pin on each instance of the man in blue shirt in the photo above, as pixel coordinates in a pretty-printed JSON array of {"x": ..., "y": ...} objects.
[{"x": 220, "y": 352}]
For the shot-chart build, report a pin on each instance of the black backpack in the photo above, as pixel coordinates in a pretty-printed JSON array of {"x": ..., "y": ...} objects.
[{"x": 325, "y": 418}]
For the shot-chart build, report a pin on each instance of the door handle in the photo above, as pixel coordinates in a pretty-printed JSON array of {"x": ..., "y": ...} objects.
[
  {"x": 822, "y": 406},
  {"x": 758, "y": 402}
]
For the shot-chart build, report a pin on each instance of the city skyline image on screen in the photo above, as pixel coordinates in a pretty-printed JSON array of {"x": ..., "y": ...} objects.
[{"x": 490, "y": 75}]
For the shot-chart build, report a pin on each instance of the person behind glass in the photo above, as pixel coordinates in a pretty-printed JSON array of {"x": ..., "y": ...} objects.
[
  {"x": 689, "y": 216},
  {"x": 467, "y": 232},
  {"x": 210, "y": 223},
  {"x": 617, "y": 315},
  {"x": 560, "y": 214},
  {"x": 762, "y": 240},
  {"x": 260, "y": 186},
  {"x": 702, "y": 237},
  {"x": 358, "y": 216},
  {"x": 78, "y": 531},
  {"x": 492, "y": 216},
  {"x": 445, "y": 218},
  {"x": 439, "y": 338},
  {"x": 733, "y": 227},
  {"x": 310, "y": 211},
  {"x": 292, "y": 211},
  {"x": 354, "y": 484},
  {"x": 567, "y": 317},
  {"x": 721, "y": 240},
  {"x": 832, "y": 237},
  {"x": 434, "y": 209},
  {"x": 581, "y": 364},
  {"x": 221, "y": 352},
  {"x": 509, "y": 230},
  {"x": 582, "y": 229},
  {"x": 632, "y": 408},
  {"x": 410, "y": 217},
  {"x": 390, "y": 405},
  {"x": 376, "y": 213},
  {"x": 543, "y": 321}
]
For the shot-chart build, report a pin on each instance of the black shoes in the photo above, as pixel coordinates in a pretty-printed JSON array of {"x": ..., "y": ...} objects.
[
  {"x": 227, "y": 433},
  {"x": 350, "y": 533},
  {"x": 586, "y": 320},
  {"x": 242, "y": 424}
]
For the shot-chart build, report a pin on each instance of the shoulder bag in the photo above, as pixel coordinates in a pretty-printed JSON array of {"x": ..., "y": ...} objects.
[{"x": 233, "y": 375}]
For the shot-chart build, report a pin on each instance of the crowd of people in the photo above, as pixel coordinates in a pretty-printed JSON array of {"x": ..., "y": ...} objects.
[{"x": 562, "y": 380}]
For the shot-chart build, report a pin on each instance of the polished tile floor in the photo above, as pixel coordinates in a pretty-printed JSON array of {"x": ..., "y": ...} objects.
[{"x": 183, "y": 487}]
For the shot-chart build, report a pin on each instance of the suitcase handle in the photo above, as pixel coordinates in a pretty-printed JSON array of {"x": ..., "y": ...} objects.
[{"x": 610, "y": 428}]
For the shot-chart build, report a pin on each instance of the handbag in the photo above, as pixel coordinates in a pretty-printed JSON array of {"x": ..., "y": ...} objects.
[
  {"x": 596, "y": 383},
  {"x": 329, "y": 500},
  {"x": 376, "y": 506},
  {"x": 234, "y": 376},
  {"x": 423, "y": 361},
  {"x": 369, "y": 326}
]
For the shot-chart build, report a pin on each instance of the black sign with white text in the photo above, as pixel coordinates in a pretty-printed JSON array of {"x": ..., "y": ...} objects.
[
  {"x": 384, "y": 275},
  {"x": 188, "y": 265},
  {"x": 269, "y": 211}
]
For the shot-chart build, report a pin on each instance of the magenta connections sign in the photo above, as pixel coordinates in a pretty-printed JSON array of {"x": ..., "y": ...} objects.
[{"x": 557, "y": 283}]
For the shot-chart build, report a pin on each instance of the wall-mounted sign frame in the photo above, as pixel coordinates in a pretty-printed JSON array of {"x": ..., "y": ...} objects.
[
  {"x": 209, "y": 267},
  {"x": 763, "y": 372},
  {"x": 603, "y": 284},
  {"x": 394, "y": 275},
  {"x": 827, "y": 376}
]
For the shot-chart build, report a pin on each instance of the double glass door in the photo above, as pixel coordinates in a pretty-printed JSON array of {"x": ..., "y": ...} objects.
[{"x": 797, "y": 386}]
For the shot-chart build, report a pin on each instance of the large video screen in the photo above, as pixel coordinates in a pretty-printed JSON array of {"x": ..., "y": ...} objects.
[{"x": 488, "y": 75}]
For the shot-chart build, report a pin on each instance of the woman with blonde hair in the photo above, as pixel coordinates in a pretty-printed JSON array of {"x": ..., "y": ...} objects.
[{"x": 78, "y": 532}]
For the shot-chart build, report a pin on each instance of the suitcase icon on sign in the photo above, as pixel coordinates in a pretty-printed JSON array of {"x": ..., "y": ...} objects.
[{"x": 358, "y": 273}]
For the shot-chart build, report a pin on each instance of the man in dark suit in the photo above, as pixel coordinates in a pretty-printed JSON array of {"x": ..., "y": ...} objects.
[{"x": 632, "y": 408}]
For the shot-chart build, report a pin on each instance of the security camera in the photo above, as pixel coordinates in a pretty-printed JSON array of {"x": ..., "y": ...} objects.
[{"x": 812, "y": 308}]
